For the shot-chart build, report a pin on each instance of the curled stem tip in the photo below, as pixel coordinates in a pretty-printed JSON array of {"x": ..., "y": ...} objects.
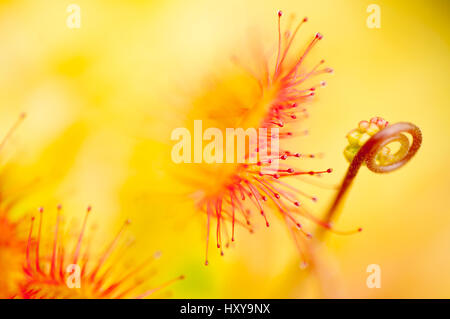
[{"x": 368, "y": 145}]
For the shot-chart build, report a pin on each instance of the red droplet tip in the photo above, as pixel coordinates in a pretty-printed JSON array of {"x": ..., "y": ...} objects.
[{"x": 280, "y": 13}]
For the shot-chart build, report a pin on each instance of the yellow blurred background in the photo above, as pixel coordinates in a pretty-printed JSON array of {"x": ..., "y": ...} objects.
[{"x": 101, "y": 101}]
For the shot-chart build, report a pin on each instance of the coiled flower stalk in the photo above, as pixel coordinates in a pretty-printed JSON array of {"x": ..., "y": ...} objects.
[{"x": 369, "y": 145}]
